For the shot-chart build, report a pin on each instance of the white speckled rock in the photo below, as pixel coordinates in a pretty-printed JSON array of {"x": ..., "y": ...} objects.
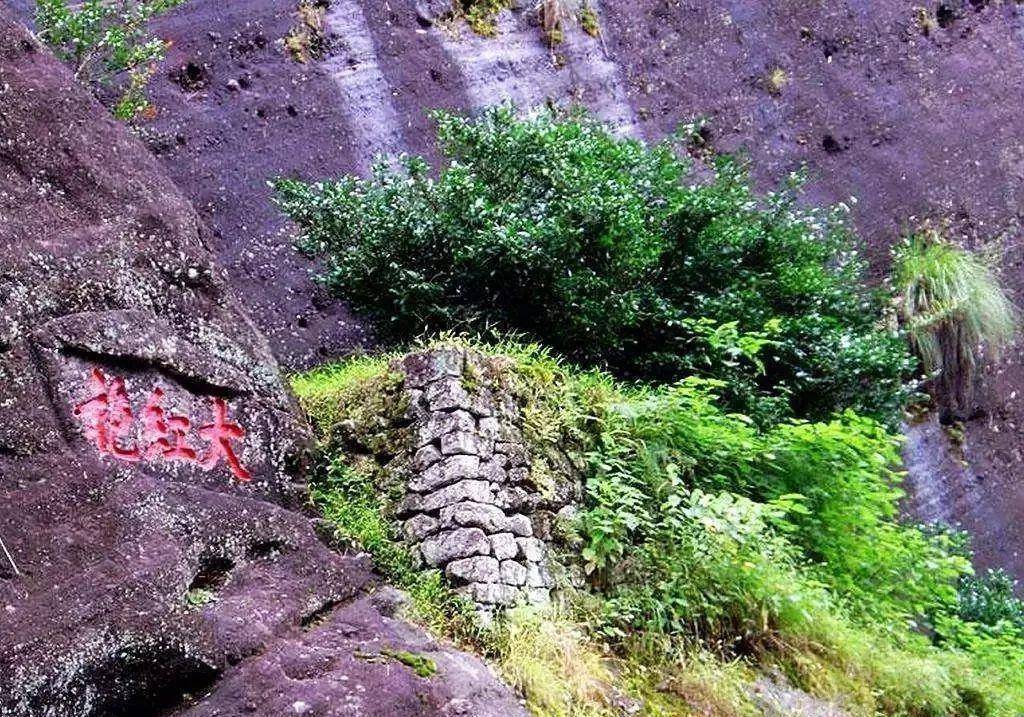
[
  {"x": 521, "y": 525},
  {"x": 447, "y": 394},
  {"x": 504, "y": 546},
  {"x": 420, "y": 526},
  {"x": 462, "y": 442},
  {"x": 492, "y": 594},
  {"x": 479, "y": 569},
  {"x": 474, "y": 490},
  {"x": 425, "y": 457},
  {"x": 537, "y": 576},
  {"x": 532, "y": 549},
  {"x": 445, "y": 472},
  {"x": 468, "y": 514},
  {"x": 513, "y": 573},
  {"x": 442, "y": 548}
]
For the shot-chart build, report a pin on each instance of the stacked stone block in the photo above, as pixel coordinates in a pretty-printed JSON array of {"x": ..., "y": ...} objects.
[{"x": 470, "y": 503}]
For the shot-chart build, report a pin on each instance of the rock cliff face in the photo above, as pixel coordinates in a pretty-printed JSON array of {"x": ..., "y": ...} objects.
[
  {"x": 914, "y": 117},
  {"x": 155, "y": 564}
]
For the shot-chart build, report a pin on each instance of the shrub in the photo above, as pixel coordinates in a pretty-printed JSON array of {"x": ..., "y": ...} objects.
[
  {"x": 106, "y": 42},
  {"x": 951, "y": 303},
  {"x": 693, "y": 530},
  {"x": 658, "y": 452},
  {"x": 603, "y": 249},
  {"x": 989, "y": 599},
  {"x": 847, "y": 472}
]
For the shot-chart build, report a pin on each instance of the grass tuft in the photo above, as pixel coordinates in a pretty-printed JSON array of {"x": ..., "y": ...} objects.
[
  {"x": 421, "y": 666},
  {"x": 952, "y": 304},
  {"x": 561, "y": 671}
]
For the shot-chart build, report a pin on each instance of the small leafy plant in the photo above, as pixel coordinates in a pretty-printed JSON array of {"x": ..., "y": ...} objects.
[
  {"x": 107, "y": 42},
  {"x": 989, "y": 599},
  {"x": 307, "y": 40},
  {"x": 589, "y": 21},
  {"x": 198, "y": 597},
  {"x": 480, "y": 15}
]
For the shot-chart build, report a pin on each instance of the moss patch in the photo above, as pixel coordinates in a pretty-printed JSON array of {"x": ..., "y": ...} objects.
[
  {"x": 481, "y": 15},
  {"x": 589, "y": 21},
  {"x": 359, "y": 401},
  {"x": 422, "y": 666}
]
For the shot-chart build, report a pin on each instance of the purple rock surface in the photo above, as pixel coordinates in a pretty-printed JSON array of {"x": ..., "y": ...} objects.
[{"x": 160, "y": 562}]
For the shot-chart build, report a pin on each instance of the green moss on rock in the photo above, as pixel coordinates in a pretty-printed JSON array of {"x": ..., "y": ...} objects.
[{"x": 422, "y": 666}]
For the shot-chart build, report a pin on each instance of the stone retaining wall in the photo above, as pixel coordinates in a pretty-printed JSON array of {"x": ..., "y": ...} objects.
[{"x": 469, "y": 500}]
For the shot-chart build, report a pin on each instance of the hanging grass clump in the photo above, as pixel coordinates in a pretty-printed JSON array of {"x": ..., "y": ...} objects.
[{"x": 954, "y": 307}]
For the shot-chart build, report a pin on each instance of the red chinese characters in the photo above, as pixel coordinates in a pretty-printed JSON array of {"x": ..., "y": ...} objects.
[
  {"x": 220, "y": 433},
  {"x": 108, "y": 416},
  {"x": 109, "y": 422}
]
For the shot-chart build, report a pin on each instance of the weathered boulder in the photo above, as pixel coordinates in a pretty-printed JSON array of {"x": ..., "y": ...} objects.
[{"x": 148, "y": 455}]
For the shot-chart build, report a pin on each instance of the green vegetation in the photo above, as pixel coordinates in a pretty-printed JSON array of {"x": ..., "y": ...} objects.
[
  {"x": 350, "y": 501},
  {"x": 480, "y": 15},
  {"x": 589, "y": 21},
  {"x": 107, "y": 42},
  {"x": 553, "y": 14},
  {"x": 673, "y": 462},
  {"x": 603, "y": 249},
  {"x": 198, "y": 597},
  {"x": 555, "y": 664},
  {"x": 740, "y": 512},
  {"x": 778, "y": 78},
  {"x": 717, "y": 550},
  {"x": 989, "y": 600},
  {"x": 422, "y": 666},
  {"x": 952, "y": 304},
  {"x": 307, "y": 40}
]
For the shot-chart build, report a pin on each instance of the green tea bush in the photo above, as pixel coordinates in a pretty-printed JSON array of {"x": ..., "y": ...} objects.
[
  {"x": 107, "y": 41},
  {"x": 607, "y": 251}
]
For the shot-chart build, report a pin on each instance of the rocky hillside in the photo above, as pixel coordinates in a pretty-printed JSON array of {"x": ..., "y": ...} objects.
[
  {"x": 912, "y": 113},
  {"x": 148, "y": 460},
  {"x": 159, "y": 552}
]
